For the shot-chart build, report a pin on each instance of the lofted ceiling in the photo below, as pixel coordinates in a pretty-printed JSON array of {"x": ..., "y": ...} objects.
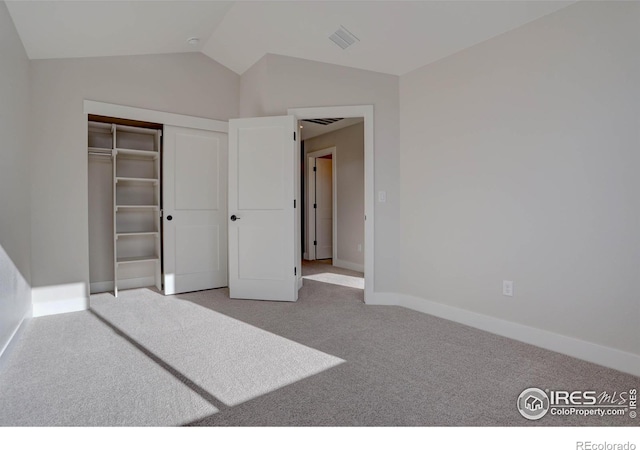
[
  {"x": 72, "y": 29},
  {"x": 395, "y": 37}
]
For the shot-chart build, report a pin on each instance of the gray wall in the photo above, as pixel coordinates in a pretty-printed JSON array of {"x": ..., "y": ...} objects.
[
  {"x": 253, "y": 90},
  {"x": 15, "y": 221},
  {"x": 190, "y": 84},
  {"x": 349, "y": 164},
  {"x": 277, "y": 83},
  {"x": 520, "y": 161}
]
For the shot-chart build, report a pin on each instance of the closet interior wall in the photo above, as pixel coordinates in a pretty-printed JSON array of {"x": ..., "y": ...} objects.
[{"x": 100, "y": 208}]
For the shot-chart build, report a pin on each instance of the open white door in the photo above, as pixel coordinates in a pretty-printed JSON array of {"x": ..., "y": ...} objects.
[
  {"x": 194, "y": 178},
  {"x": 324, "y": 208},
  {"x": 262, "y": 208}
]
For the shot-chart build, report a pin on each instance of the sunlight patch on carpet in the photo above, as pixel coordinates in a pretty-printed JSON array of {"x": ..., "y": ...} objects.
[
  {"x": 338, "y": 279},
  {"x": 231, "y": 360},
  {"x": 72, "y": 370}
]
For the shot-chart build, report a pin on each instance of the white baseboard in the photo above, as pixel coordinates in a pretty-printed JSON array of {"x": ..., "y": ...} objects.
[
  {"x": 59, "y": 299},
  {"x": 348, "y": 265},
  {"x": 588, "y": 351},
  {"x": 60, "y": 307},
  {"x": 382, "y": 298},
  {"x": 13, "y": 338},
  {"x": 300, "y": 281},
  {"x": 128, "y": 283},
  {"x": 305, "y": 255}
]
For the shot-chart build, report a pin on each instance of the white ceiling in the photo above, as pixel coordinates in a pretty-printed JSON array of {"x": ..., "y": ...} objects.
[
  {"x": 395, "y": 36},
  {"x": 72, "y": 29}
]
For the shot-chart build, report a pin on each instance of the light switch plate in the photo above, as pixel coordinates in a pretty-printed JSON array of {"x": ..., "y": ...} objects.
[{"x": 507, "y": 288}]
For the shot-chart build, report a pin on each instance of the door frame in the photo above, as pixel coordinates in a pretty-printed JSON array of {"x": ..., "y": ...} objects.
[
  {"x": 311, "y": 191},
  {"x": 143, "y": 115},
  {"x": 365, "y": 111},
  {"x": 150, "y": 115}
]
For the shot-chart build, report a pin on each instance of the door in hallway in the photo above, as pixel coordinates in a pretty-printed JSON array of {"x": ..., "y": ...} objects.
[{"x": 324, "y": 208}]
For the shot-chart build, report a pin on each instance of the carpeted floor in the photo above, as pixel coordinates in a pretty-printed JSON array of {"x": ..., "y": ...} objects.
[{"x": 328, "y": 359}]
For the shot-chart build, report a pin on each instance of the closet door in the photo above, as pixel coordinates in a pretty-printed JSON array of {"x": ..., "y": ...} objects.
[{"x": 194, "y": 202}]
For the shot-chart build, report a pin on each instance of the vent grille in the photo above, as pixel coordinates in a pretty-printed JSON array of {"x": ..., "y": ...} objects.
[
  {"x": 323, "y": 121},
  {"x": 343, "y": 38}
]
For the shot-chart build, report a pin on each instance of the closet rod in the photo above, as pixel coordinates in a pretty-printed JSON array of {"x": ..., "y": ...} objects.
[{"x": 100, "y": 154}]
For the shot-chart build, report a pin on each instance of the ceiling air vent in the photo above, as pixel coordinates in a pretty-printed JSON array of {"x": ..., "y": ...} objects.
[
  {"x": 343, "y": 38},
  {"x": 322, "y": 121}
]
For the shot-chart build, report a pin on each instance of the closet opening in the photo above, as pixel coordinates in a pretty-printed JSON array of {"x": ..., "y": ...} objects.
[{"x": 125, "y": 230}]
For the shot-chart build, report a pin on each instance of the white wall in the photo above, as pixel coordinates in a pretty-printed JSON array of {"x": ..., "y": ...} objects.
[
  {"x": 349, "y": 166},
  {"x": 190, "y": 84},
  {"x": 253, "y": 90},
  {"x": 520, "y": 161},
  {"x": 285, "y": 82},
  {"x": 15, "y": 253}
]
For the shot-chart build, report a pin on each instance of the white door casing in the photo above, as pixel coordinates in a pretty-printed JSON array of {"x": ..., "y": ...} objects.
[
  {"x": 194, "y": 210},
  {"x": 262, "y": 208}
]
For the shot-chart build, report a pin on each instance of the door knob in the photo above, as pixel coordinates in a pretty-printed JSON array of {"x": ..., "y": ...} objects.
[
  {"x": 169, "y": 217},
  {"x": 234, "y": 218}
]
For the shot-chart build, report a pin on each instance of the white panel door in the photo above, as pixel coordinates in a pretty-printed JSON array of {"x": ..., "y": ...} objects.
[
  {"x": 324, "y": 208},
  {"x": 262, "y": 214},
  {"x": 194, "y": 180}
]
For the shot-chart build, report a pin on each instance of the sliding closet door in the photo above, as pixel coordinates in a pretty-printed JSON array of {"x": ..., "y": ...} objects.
[{"x": 194, "y": 210}]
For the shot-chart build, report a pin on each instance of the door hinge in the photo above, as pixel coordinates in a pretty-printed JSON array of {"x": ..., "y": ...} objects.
[
  {"x": 294, "y": 203},
  {"x": 314, "y": 169},
  {"x": 294, "y": 135},
  {"x": 295, "y": 271},
  {"x": 315, "y": 242},
  {"x": 315, "y": 205}
]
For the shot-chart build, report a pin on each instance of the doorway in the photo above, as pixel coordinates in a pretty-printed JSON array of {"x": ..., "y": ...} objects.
[
  {"x": 332, "y": 180},
  {"x": 365, "y": 114}
]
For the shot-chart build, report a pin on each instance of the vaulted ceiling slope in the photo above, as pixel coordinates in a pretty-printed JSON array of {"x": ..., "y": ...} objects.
[{"x": 394, "y": 37}]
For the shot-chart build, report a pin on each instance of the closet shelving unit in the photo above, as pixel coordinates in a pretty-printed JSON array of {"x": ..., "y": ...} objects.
[{"x": 135, "y": 153}]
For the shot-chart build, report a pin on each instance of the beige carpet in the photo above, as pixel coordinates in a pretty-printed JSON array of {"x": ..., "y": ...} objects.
[{"x": 328, "y": 359}]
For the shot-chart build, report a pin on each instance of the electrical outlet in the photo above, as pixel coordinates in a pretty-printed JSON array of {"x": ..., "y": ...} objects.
[
  {"x": 507, "y": 288},
  {"x": 359, "y": 247}
]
